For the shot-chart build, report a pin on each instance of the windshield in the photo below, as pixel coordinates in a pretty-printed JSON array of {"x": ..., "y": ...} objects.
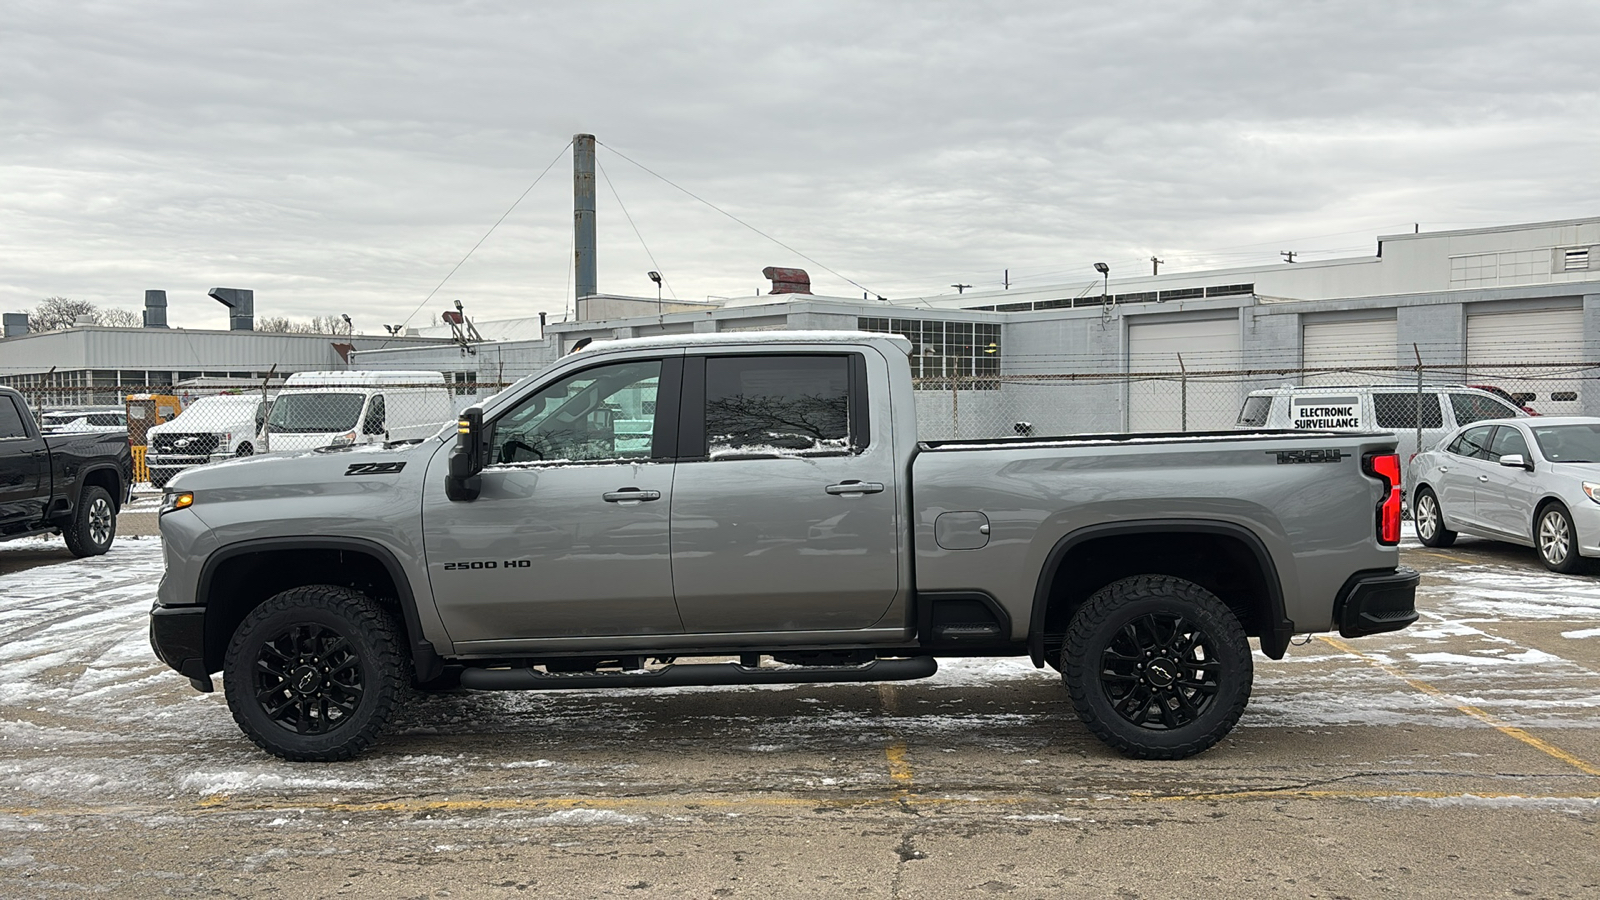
[
  {"x": 1569, "y": 443},
  {"x": 315, "y": 413}
]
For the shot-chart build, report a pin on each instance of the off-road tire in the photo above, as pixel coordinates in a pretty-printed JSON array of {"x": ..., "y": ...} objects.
[
  {"x": 1428, "y": 517},
  {"x": 1131, "y": 613},
  {"x": 1555, "y": 538},
  {"x": 326, "y": 628},
  {"x": 94, "y": 523}
]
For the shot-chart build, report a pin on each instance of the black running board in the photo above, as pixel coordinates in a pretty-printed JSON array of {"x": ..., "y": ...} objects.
[{"x": 697, "y": 675}]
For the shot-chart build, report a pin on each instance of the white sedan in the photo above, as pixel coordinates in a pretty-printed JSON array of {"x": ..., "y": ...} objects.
[{"x": 1534, "y": 482}]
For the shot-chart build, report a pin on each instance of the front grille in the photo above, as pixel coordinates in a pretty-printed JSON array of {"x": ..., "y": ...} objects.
[{"x": 187, "y": 444}]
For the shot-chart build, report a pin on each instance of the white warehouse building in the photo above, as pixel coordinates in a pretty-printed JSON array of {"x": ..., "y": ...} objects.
[{"x": 1517, "y": 306}]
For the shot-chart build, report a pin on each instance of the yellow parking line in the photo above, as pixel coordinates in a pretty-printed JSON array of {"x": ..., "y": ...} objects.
[
  {"x": 899, "y": 769},
  {"x": 1543, "y": 746}
]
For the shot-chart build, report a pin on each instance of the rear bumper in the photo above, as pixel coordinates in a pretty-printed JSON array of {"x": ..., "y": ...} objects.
[
  {"x": 1377, "y": 601},
  {"x": 178, "y": 636}
]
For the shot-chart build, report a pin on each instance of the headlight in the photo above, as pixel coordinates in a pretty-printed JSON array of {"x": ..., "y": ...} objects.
[
  {"x": 344, "y": 440},
  {"x": 172, "y": 501},
  {"x": 1591, "y": 488}
]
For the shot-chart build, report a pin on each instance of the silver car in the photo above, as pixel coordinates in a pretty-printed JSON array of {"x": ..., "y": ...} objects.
[{"x": 1534, "y": 482}]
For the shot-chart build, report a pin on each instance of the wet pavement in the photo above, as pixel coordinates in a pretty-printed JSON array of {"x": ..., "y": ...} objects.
[{"x": 1458, "y": 758}]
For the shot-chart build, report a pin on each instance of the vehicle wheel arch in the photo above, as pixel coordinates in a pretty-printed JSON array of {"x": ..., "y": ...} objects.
[
  {"x": 241, "y": 576},
  {"x": 1260, "y": 605}
]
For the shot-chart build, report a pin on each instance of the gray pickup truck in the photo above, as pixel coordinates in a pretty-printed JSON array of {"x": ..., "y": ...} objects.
[{"x": 757, "y": 509}]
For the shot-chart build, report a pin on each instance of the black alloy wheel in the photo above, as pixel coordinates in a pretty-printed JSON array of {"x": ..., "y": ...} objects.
[
  {"x": 1157, "y": 667},
  {"x": 1428, "y": 516},
  {"x": 94, "y": 524},
  {"x": 314, "y": 673}
]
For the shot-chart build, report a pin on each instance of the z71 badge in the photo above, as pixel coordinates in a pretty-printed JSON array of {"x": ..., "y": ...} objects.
[
  {"x": 383, "y": 468},
  {"x": 1308, "y": 456}
]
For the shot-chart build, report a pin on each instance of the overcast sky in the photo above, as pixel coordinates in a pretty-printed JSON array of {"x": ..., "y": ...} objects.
[{"x": 341, "y": 158}]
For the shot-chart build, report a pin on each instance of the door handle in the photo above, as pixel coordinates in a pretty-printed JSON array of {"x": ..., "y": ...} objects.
[
  {"x": 1483, "y": 478},
  {"x": 853, "y": 487},
  {"x": 1444, "y": 468},
  {"x": 629, "y": 494}
]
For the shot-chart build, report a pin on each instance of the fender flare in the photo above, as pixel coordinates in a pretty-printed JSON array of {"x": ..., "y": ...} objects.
[
  {"x": 424, "y": 658},
  {"x": 61, "y": 516},
  {"x": 1274, "y": 643}
]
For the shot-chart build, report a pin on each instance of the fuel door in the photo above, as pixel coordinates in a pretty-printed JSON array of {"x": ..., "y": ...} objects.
[{"x": 961, "y": 531}]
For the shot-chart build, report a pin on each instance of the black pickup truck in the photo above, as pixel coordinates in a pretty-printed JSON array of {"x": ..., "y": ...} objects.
[{"x": 74, "y": 484}]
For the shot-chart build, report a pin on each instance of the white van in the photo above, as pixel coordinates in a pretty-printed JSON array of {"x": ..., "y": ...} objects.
[
  {"x": 336, "y": 409},
  {"x": 208, "y": 430},
  {"x": 1376, "y": 408}
]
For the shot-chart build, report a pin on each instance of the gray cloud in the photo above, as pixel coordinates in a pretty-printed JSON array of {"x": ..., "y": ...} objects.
[{"x": 342, "y": 158}]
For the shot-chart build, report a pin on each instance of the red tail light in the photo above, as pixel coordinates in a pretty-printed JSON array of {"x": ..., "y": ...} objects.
[{"x": 1386, "y": 466}]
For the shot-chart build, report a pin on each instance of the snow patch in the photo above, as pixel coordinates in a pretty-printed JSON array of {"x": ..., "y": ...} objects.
[{"x": 210, "y": 783}]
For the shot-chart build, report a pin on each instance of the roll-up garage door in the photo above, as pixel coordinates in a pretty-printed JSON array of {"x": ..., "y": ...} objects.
[
  {"x": 1165, "y": 402},
  {"x": 1526, "y": 354},
  {"x": 1349, "y": 352}
]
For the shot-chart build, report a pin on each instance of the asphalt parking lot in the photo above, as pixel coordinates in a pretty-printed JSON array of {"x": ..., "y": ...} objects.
[{"x": 1458, "y": 758}]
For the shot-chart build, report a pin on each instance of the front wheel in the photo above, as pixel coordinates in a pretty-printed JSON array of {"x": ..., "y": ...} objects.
[
  {"x": 1558, "y": 540},
  {"x": 1158, "y": 667},
  {"x": 314, "y": 673},
  {"x": 94, "y": 524},
  {"x": 1429, "y": 519},
  {"x": 244, "y": 450}
]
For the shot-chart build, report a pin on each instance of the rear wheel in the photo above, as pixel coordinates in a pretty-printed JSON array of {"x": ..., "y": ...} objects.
[
  {"x": 1557, "y": 540},
  {"x": 94, "y": 524},
  {"x": 1429, "y": 519},
  {"x": 314, "y": 673},
  {"x": 1157, "y": 667},
  {"x": 244, "y": 450}
]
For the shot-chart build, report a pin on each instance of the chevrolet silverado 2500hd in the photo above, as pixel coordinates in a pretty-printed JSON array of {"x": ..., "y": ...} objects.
[
  {"x": 765, "y": 500},
  {"x": 71, "y": 483}
]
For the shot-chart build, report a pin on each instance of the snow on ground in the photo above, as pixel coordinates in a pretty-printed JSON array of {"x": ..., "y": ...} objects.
[{"x": 88, "y": 715}]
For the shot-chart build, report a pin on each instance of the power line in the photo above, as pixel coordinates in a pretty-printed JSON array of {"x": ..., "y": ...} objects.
[
  {"x": 655, "y": 265},
  {"x": 485, "y": 237},
  {"x": 736, "y": 218}
]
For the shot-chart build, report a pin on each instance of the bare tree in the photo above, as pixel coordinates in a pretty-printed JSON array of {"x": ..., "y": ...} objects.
[{"x": 61, "y": 313}]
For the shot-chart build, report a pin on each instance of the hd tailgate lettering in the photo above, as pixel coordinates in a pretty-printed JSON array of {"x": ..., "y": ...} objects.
[
  {"x": 383, "y": 468},
  {"x": 1286, "y": 457}
]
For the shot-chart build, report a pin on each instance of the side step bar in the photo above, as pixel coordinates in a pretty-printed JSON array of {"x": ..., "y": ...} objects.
[{"x": 697, "y": 675}]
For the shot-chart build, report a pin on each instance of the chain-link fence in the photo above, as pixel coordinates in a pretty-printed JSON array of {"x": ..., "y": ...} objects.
[
  {"x": 175, "y": 427},
  {"x": 1049, "y": 403}
]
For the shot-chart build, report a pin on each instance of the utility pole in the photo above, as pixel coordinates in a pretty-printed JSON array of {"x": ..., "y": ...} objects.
[
  {"x": 1155, "y": 265},
  {"x": 961, "y": 288},
  {"x": 1006, "y": 279},
  {"x": 1288, "y": 255},
  {"x": 583, "y": 229}
]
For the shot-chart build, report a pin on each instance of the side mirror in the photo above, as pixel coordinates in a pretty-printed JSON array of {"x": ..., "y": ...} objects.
[
  {"x": 1516, "y": 461},
  {"x": 467, "y": 457}
]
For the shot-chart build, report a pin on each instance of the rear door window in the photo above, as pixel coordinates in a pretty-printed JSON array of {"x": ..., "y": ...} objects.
[
  {"x": 1471, "y": 408},
  {"x": 1508, "y": 440},
  {"x": 1472, "y": 443},
  {"x": 11, "y": 420},
  {"x": 1398, "y": 411},
  {"x": 777, "y": 405}
]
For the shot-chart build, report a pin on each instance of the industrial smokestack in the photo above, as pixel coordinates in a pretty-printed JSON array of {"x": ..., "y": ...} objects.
[
  {"x": 16, "y": 324},
  {"x": 583, "y": 232},
  {"x": 241, "y": 306},
  {"x": 155, "y": 309}
]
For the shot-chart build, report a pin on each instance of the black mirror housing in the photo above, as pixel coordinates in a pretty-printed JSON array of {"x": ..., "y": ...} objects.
[{"x": 467, "y": 457}]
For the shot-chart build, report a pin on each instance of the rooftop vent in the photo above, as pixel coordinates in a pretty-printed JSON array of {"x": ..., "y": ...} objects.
[
  {"x": 16, "y": 324},
  {"x": 155, "y": 309},
  {"x": 241, "y": 306},
  {"x": 84, "y": 322},
  {"x": 788, "y": 281}
]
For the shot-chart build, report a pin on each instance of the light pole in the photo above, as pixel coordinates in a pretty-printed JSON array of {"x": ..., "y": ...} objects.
[
  {"x": 1105, "y": 271},
  {"x": 656, "y": 277}
]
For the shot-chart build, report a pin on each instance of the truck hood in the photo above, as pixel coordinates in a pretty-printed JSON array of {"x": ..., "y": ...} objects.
[{"x": 310, "y": 467}]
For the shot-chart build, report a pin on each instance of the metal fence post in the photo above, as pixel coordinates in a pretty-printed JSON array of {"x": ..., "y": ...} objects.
[
  {"x": 955, "y": 404},
  {"x": 1183, "y": 395}
]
